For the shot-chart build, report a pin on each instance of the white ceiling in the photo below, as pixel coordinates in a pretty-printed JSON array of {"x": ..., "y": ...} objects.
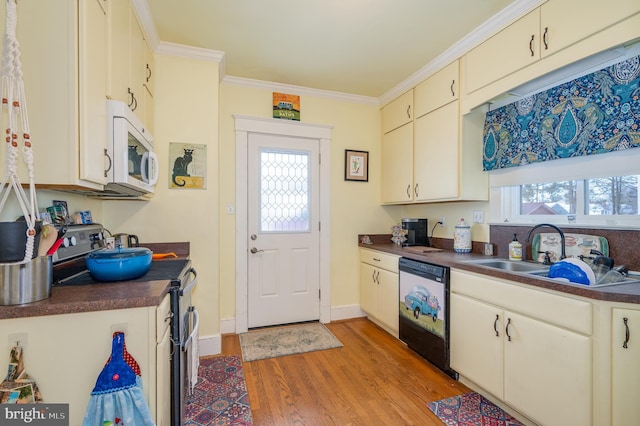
[{"x": 359, "y": 47}]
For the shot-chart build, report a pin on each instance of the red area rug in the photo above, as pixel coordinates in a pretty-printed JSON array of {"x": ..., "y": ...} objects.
[
  {"x": 220, "y": 396},
  {"x": 471, "y": 409}
]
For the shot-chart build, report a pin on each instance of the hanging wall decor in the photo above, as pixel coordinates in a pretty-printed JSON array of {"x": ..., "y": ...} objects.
[
  {"x": 188, "y": 165},
  {"x": 593, "y": 114},
  {"x": 286, "y": 106},
  {"x": 356, "y": 165}
]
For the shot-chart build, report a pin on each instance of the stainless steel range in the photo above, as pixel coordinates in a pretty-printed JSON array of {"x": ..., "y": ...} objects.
[
  {"x": 70, "y": 270},
  {"x": 79, "y": 240}
]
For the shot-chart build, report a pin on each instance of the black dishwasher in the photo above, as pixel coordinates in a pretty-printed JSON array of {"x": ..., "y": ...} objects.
[{"x": 424, "y": 311}]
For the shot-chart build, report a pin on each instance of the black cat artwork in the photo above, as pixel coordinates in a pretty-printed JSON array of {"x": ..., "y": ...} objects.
[{"x": 180, "y": 167}]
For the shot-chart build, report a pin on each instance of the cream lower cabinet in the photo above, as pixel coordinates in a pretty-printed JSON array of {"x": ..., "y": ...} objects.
[
  {"x": 163, "y": 363},
  {"x": 530, "y": 349},
  {"x": 64, "y": 354},
  {"x": 379, "y": 288},
  {"x": 625, "y": 366}
]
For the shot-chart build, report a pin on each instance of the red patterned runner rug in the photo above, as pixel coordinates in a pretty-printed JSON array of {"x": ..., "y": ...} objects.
[
  {"x": 220, "y": 396},
  {"x": 471, "y": 409}
]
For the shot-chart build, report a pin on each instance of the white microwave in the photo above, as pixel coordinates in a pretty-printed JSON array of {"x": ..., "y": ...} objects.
[{"x": 133, "y": 171}]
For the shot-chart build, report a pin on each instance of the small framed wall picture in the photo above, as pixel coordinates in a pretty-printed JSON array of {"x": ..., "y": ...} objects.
[{"x": 356, "y": 165}]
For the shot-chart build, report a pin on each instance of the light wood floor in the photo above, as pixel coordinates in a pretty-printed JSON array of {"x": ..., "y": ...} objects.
[{"x": 373, "y": 380}]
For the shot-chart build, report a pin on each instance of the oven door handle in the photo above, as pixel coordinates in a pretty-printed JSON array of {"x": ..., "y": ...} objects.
[
  {"x": 193, "y": 282},
  {"x": 196, "y": 323}
]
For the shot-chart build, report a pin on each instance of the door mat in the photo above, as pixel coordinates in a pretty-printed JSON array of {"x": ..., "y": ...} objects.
[
  {"x": 220, "y": 396},
  {"x": 471, "y": 409},
  {"x": 286, "y": 340}
]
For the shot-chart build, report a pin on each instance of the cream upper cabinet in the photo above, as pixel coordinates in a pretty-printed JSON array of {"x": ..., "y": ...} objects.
[
  {"x": 437, "y": 90},
  {"x": 554, "y": 26},
  {"x": 564, "y": 22},
  {"x": 511, "y": 49},
  {"x": 437, "y": 154},
  {"x": 536, "y": 347},
  {"x": 429, "y": 159},
  {"x": 64, "y": 72},
  {"x": 397, "y": 166},
  {"x": 625, "y": 366},
  {"x": 397, "y": 112},
  {"x": 130, "y": 62},
  {"x": 93, "y": 86},
  {"x": 379, "y": 288}
]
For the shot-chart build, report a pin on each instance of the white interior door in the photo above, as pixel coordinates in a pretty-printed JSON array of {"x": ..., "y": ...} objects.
[{"x": 283, "y": 230}]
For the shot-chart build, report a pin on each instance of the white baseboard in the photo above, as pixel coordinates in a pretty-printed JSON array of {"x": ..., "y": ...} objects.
[
  {"x": 346, "y": 312},
  {"x": 228, "y": 325},
  {"x": 210, "y": 345}
]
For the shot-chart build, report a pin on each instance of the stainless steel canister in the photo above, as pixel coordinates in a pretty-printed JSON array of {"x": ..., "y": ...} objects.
[{"x": 26, "y": 282}]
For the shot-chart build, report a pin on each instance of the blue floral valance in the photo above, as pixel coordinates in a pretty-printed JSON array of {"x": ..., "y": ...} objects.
[{"x": 597, "y": 113}]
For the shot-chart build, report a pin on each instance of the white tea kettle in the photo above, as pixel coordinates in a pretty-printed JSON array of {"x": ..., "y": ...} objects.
[{"x": 126, "y": 240}]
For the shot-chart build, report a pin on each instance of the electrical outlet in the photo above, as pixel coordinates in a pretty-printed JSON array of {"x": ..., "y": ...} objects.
[
  {"x": 478, "y": 216},
  {"x": 441, "y": 220}
]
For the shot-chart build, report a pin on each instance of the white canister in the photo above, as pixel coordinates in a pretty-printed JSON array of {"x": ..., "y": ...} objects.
[{"x": 462, "y": 237}]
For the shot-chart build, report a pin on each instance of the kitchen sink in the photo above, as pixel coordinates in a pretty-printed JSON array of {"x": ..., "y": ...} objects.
[
  {"x": 511, "y": 265},
  {"x": 541, "y": 271}
]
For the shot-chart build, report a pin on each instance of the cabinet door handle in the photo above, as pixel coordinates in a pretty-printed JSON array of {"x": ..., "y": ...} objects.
[
  {"x": 495, "y": 325},
  {"x": 373, "y": 276},
  {"x": 507, "y": 329},
  {"x": 409, "y": 191},
  {"x": 545, "y": 38},
  {"x": 627, "y": 333},
  {"x": 106, "y": 154},
  {"x": 148, "y": 73},
  {"x": 452, "y": 83},
  {"x": 408, "y": 111},
  {"x": 531, "y": 43},
  {"x": 415, "y": 190}
]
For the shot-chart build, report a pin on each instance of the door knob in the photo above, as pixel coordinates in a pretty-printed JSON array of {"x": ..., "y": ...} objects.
[
  {"x": 254, "y": 250},
  {"x": 254, "y": 237}
]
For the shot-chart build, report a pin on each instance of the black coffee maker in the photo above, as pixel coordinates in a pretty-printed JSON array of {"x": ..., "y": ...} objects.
[{"x": 416, "y": 232}]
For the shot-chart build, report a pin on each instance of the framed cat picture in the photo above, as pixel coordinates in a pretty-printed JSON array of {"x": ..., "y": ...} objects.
[{"x": 188, "y": 166}]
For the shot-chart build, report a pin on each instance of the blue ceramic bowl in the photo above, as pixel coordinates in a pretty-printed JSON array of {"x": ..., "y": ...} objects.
[{"x": 119, "y": 264}]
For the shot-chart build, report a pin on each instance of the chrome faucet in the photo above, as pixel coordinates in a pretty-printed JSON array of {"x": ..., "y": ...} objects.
[{"x": 562, "y": 245}]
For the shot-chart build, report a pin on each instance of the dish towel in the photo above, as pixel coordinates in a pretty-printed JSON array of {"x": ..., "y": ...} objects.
[
  {"x": 18, "y": 387},
  {"x": 117, "y": 398},
  {"x": 195, "y": 357}
]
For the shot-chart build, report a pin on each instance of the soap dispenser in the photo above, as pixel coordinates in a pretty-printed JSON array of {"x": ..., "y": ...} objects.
[{"x": 515, "y": 249}]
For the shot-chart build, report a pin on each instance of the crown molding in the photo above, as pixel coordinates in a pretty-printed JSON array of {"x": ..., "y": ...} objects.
[
  {"x": 146, "y": 21},
  {"x": 299, "y": 90},
  {"x": 490, "y": 27}
]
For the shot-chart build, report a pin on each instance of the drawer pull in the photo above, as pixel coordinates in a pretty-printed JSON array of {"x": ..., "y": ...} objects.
[
  {"x": 627, "y": 334},
  {"x": 495, "y": 325},
  {"x": 507, "y": 329}
]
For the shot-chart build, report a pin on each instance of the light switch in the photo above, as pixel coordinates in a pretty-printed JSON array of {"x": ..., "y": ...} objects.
[{"x": 478, "y": 216}]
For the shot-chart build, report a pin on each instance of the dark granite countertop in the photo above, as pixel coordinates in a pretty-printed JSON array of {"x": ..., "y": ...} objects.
[
  {"x": 627, "y": 293},
  {"x": 89, "y": 298},
  {"x": 101, "y": 297}
]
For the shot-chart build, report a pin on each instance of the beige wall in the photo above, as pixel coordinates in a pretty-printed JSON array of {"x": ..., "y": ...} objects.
[
  {"x": 186, "y": 110},
  {"x": 354, "y": 205}
]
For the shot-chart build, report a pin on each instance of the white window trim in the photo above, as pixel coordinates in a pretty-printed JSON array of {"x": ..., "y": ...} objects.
[{"x": 506, "y": 202}]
